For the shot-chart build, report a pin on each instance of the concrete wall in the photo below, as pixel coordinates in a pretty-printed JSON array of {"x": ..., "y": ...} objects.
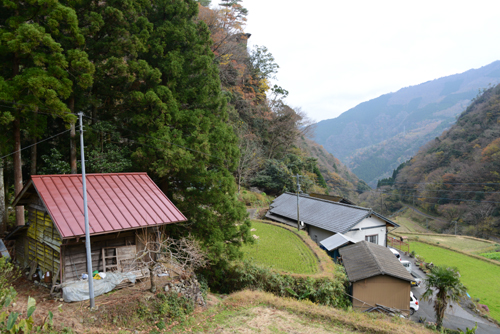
[
  {"x": 385, "y": 290},
  {"x": 369, "y": 226}
]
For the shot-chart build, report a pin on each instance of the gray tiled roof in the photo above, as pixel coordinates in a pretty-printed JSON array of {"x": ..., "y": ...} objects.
[
  {"x": 335, "y": 241},
  {"x": 328, "y": 215},
  {"x": 365, "y": 259}
]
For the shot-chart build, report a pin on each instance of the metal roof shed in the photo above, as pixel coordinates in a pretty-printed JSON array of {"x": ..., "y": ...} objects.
[{"x": 119, "y": 204}]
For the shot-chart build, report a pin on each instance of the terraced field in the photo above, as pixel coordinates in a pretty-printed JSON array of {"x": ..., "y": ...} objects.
[
  {"x": 280, "y": 249},
  {"x": 480, "y": 278}
]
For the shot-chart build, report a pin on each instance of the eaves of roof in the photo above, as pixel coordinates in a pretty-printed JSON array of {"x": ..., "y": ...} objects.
[
  {"x": 116, "y": 202},
  {"x": 331, "y": 216}
]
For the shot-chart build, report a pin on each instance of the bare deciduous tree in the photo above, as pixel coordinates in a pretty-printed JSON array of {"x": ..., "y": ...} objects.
[{"x": 161, "y": 253}]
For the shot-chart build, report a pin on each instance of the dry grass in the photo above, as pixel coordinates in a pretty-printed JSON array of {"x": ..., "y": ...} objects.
[
  {"x": 462, "y": 243},
  {"x": 408, "y": 225},
  {"x": 251, "y": 311}
]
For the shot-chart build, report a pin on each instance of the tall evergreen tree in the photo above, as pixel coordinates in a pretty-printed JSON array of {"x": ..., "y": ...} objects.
[
  {"x": 192, "y": 147},
  {"x": 34, "y": 69},
  {"x": 155, "y": 76}
]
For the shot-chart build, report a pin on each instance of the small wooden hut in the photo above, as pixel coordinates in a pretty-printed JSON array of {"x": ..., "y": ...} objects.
[
  {"x": 376, "y": 277},
  {"x": 119, "y": 205}
]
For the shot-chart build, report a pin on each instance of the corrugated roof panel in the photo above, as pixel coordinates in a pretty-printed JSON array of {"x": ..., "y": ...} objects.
[
  {"x": 119, "y": 201},
  {"x": 336, "y": 241},
  {"x": 166, "y": 213}
]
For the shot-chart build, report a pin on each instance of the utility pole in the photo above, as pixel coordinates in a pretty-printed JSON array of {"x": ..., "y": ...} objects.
[
  {"x": 455, "y": 226},
  {"x": 86, "y": 217},
  {"x": 298, "y": 197}
]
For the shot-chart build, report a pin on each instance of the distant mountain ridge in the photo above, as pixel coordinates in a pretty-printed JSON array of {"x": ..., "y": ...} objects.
[
  {"x": 457, "y": 174},
  {"x": 376, "y": 136}
]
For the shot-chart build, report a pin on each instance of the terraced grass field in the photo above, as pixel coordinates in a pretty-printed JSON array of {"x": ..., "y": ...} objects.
[
  {"x": 280, "y": 249},
  {"x": 460, "y": 243},
  {"x": 480, "y": 278}
]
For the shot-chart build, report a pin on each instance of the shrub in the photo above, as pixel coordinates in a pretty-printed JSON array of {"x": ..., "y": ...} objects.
[
  {"x": 172, "y": 306},
  {"x": 246, "y": 275},
  {"x": 13, "y": 322}
]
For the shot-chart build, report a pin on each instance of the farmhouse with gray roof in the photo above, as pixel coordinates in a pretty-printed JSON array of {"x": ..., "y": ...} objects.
[{"x": 323, "y": 219}]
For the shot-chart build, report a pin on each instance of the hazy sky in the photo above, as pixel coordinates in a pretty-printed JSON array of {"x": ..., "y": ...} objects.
[{"x": 334, "y": 54}]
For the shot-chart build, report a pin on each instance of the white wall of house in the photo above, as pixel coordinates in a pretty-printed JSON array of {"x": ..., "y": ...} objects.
[
  {"x": 372, "y": 227},
  {"x": 318, "y": 234}
]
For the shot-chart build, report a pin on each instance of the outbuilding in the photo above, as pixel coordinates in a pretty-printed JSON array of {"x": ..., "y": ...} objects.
[
  {"x": 376, "y": 277},
  {"x": 120, "y": 205}
]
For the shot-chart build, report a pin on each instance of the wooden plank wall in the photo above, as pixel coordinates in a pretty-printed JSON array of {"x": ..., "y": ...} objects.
[
  {"x": 42, "y": 241},
  {"x": 75, "y": 258}
]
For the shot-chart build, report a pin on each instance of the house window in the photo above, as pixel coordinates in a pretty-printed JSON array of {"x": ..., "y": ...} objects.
[{"x": 372, "y": 238}]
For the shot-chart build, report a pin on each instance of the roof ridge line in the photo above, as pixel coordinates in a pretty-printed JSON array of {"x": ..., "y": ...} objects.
[
  {"x": 374, "y": 257},
  {"x": 327, "y": 201},
  {"x": 87, "y": 174}
]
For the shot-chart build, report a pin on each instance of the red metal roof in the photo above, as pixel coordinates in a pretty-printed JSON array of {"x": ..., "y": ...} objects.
[{"x": 116, "y": 202}]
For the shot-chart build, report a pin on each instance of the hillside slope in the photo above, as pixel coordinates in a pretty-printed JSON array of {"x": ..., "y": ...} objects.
[
  {"x": 340, "y": 180},
  {"x": 376, "y": 136},
  {"x": 457, "y": 175}
]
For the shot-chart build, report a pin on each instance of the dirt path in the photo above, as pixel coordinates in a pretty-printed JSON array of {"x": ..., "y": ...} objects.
[{"x": 252, "y": 213}]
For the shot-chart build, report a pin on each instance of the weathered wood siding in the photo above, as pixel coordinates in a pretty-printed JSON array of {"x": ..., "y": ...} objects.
[
  {"x": 75, "y": 258},
  {"x": 42, "y": 241}
]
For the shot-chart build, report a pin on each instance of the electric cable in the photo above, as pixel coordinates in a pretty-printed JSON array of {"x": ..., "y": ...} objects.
[{"x": 38, "y": 142}]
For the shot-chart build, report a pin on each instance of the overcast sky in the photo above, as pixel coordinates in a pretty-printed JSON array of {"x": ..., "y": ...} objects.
[{"x": 335, "y": 54}]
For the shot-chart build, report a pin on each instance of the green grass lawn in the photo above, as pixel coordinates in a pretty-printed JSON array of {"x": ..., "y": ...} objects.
[
  {"x": 280, "y": 249},
  {"x": 480, "y": 278}
]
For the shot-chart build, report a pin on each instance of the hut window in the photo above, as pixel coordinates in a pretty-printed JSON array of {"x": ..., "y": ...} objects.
[{"x": 372, "y": 238}]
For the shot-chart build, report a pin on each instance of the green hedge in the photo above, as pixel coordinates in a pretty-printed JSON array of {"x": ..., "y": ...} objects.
[{"x": 246, "y": 275}]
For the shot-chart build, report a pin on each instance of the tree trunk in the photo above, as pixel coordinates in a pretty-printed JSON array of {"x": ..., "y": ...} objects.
[
  {"x": 33, "y": 158},
  {"x": 72, "y": 140},
  {"x": 153, "y": 280},
  {"x": 34, "y": 150},
  {"x": 6, "y": 198},
  {"x": 18, "y": 173},
  {"x": 3, "y": 208}
]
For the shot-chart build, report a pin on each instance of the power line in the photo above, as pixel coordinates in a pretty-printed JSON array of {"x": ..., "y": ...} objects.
[
  {"x": 388, "y": 184},
  {"x": 455, "y": 191},
  {"x": 41, "y": 141},
  {"x": 444, "y": 198},
  {"x": 123, "y": 128}
]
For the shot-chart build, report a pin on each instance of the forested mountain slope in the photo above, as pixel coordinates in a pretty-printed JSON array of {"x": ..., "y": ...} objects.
[
  {"x": 169, "y": 88},
  {"x": 458, "y": 174},
  {"x": 374, "y": 137},
  {"x": 340, "y": 180},
  {"x": 268, "y": 129}
]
